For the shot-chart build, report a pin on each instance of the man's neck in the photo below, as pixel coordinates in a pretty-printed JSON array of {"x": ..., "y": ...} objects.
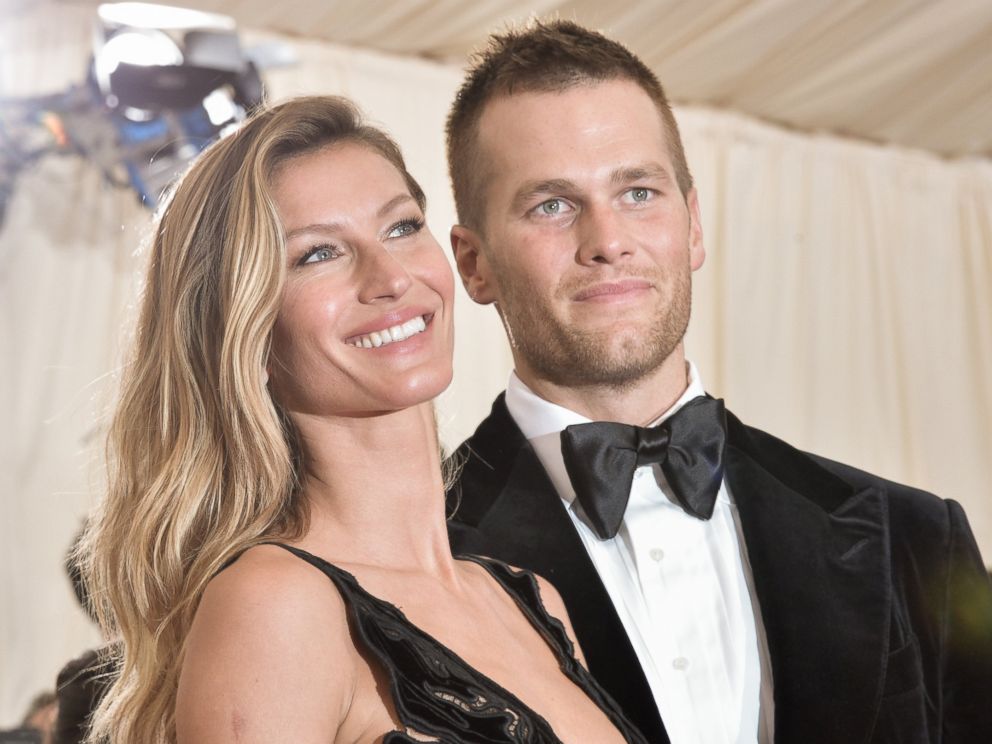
[{"x": 638, "y": 402}]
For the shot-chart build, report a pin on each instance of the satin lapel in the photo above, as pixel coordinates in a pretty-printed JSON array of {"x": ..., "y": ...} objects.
[
  {"x": 819, "y": 555},
  {"x": 526, "y": 525}
]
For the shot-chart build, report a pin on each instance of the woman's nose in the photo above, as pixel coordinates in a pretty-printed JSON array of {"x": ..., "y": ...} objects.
[{"x": 383, "y": 275}]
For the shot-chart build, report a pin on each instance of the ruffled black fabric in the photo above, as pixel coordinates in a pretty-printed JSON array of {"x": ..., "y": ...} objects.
[{"x": 437, "y": 695}]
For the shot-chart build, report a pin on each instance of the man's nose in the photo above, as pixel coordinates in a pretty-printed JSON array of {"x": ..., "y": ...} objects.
[
  {"x": 601, "y": 236},
  {"x": 382, "y": 275}
]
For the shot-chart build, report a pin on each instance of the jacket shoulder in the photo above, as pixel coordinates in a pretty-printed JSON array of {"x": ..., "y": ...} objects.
[
  {"x": 482, "y": 464},
  {"x": 910, "y": 508}
]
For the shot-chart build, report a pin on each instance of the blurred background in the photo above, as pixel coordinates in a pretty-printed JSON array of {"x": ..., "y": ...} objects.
[{"x": 841, "y": 149}]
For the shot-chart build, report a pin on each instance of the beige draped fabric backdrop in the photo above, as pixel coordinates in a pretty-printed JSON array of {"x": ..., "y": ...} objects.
[{"x": 845, "y": 304}]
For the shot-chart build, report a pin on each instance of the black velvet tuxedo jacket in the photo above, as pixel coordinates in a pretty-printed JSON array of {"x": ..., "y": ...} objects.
[{"x": 874, "y": 599}]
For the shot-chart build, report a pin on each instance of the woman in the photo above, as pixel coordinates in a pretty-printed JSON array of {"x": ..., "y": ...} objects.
[{"x": 295, "y": 328}]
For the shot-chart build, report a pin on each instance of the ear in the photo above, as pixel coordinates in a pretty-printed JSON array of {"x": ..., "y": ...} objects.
[
  {"x": 697, "y": 253},
  {"x": 472, "y": 265}
]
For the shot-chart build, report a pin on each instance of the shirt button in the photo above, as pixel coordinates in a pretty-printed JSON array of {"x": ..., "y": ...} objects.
[
  {"x": 656, "y": 554},
  {"x": 681, "y": 663}
]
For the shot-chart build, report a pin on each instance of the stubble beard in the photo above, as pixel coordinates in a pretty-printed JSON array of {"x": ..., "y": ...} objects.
[{"x": 583, "y": 358}]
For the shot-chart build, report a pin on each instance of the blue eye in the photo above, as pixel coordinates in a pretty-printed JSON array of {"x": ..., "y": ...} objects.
[
  {"x": 640, "y": 195},
  {"x": 319, "y": 253},
  {"x": 552, "y": 208},
  {"x": 405, "y": 227}
]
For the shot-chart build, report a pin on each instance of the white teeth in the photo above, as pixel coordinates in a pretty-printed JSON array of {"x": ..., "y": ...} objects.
[{"x": 391, "y": 334}]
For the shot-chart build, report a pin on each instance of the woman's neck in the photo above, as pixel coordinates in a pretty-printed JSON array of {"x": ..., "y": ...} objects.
[{"x": 376, "y": 491}]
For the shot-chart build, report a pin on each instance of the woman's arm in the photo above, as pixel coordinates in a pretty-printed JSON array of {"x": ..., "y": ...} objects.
[{"x": 268, "y": 658}]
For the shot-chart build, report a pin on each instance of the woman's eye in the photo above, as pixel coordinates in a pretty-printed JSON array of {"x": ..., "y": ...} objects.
[
  {"x": 318, "y": 254},
  {"x": 404, "y": 228}
]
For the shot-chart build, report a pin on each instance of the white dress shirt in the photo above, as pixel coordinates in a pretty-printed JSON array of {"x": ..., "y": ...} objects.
[{"x": 681, "y": 586}]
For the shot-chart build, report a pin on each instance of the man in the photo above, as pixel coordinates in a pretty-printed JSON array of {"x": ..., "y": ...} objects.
[{"x": 724, "y": 586}]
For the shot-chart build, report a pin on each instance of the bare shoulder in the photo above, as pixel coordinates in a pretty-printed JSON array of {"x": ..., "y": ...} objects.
[
  {"x": 271, "y": 579},
  {"x": 269, "y": 656}
]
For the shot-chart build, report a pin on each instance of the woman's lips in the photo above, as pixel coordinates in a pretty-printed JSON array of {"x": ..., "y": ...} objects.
[{"x": 391, "y": 334}]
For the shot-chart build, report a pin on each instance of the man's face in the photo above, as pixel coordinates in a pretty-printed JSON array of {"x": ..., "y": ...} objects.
[{"x": 588, "y": 244}]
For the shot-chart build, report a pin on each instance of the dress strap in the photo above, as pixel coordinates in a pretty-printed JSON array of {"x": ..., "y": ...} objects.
[{"x": 523, "y": 588}]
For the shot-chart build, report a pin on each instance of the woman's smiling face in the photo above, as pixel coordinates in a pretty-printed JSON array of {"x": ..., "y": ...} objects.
[{"x": 365, "y": 323}]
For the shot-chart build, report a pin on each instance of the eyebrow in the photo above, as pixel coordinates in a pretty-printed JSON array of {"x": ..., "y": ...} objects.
[
  {"x": 531, "y": 189},
  {"x": 390, "y": 205},
  {"x": 638, "y": 173},
  {"x": 325, "y": 227},
  {"x": 619, "y": 176}
]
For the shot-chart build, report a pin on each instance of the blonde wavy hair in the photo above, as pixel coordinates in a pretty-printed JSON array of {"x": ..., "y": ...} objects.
[{"x": 202, "y": 462}]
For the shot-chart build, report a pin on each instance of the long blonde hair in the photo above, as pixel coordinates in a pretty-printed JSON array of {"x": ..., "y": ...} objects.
[{"x": 202, "y": 463}]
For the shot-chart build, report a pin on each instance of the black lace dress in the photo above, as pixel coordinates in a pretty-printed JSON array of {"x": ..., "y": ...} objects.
[{"x": 440, "y": 698}]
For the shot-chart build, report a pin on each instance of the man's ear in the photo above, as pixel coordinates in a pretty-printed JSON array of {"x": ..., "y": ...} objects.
[
  {"x": 472, "y": 265},
  {"x": 697, "y": 252}
]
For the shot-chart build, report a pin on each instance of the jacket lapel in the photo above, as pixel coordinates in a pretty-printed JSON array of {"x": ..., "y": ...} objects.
[
  {"x": 819, "y": 556},
  {"x": 509, "y": 508}
]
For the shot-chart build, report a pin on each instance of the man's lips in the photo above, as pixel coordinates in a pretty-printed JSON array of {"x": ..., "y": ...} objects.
[{"x": 606, "y": 291}]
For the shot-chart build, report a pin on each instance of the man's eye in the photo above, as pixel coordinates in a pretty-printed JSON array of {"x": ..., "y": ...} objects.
[
  {"x": 552, "y": 207},
  {"x": 640, "y": 195}
]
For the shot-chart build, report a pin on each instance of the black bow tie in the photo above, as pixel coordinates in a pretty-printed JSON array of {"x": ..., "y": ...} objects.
[{"x": 601, "y": 457}]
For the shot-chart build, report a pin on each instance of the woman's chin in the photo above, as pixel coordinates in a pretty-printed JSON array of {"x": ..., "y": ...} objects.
[{"x": 421, "y": 389}]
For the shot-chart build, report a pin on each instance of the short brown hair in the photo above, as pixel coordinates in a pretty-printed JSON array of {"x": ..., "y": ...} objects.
[{"x": 545, "y": 56}]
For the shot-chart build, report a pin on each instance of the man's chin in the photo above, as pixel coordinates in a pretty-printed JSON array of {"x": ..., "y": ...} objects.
[
  {"x": 608, "y": 351},
  {"x": 620, "y": 341},
  {"x": 586, "y": 368}
]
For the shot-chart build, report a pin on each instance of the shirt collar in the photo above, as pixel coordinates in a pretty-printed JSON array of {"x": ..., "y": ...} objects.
[
  {"x": 537, "y": 417},
  {"x": 542, "y": 421}
]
